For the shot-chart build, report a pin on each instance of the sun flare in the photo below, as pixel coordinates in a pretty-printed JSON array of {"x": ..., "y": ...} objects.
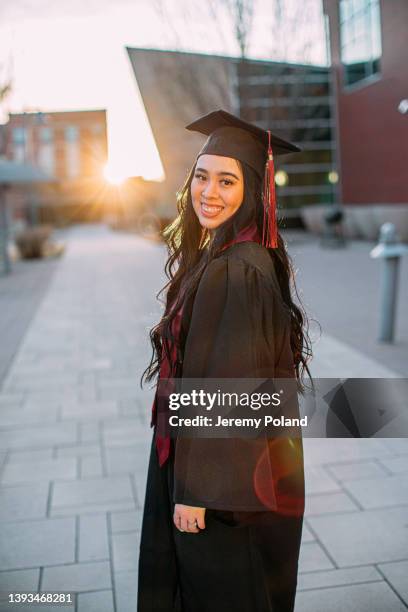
[{"x": 114, "y": 175}]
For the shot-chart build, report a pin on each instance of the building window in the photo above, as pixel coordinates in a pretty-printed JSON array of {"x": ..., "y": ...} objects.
[
  {"x": 97, "y": 129},
  {"x": 46, "y": 159},
  {"x": 360, "y": 39},
  {"x": 46, "y": 154},
  {"x": 72, "y": 152},
  {"x": 20, "y": 144},
  {"x": 18, "y": 153},
  {"x": 19, "y": 135},
  {"x": 46, "y": 135},
  {"x": 71, "y": 133}
]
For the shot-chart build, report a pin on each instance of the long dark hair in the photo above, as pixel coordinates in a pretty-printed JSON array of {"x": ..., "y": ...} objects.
[{"x": 191, "y": 248}]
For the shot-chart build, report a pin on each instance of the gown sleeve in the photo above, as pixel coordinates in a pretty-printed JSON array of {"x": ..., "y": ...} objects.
[{"x": 238, "y": 329}]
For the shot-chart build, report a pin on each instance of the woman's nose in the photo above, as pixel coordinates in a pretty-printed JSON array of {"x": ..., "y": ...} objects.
[{"x": 210, "y": 190}]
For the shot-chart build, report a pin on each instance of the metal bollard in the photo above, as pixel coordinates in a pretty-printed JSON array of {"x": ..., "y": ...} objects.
[{"x": 390, "y": 251}]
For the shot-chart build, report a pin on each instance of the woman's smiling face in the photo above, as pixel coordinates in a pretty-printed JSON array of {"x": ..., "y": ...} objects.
[{"x": 217, "y": 189}]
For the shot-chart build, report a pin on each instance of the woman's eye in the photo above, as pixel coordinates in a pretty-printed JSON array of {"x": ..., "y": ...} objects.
[
  {"x": 227, "y": 182},
  {"x": 200, "y": 177}
]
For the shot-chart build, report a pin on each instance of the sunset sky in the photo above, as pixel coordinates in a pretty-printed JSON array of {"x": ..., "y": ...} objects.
[{"x": 70, "y": 55}]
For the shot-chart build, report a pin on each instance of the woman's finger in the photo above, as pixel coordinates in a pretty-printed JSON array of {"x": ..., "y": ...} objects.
[
  {"x": 201, "y": 521},
  {"x": 193, "y": 526},
  {"x": 176, "y": 520}
]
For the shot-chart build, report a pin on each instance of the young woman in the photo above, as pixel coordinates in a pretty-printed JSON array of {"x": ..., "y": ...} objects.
[{"x": 223, "y": 517}]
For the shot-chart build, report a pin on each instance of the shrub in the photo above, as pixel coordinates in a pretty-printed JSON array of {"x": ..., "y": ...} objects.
[{"x": 32, "y": 241}]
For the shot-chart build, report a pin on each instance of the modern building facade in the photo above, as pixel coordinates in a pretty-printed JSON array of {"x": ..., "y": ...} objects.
[
  {"x": 175, "y": 88},
  {"x": 294, "y": 101}
]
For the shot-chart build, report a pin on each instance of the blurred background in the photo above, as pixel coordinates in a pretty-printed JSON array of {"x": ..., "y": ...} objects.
[{"x": 94, "y": 97}]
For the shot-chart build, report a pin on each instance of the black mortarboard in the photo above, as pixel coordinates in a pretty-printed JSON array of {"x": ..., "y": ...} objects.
[{"x": 230, "y": 136}]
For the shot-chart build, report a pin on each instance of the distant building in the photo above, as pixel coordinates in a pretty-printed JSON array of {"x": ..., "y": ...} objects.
[
  {"x": 71, "y": 147},
  {"x": 67, "y": 145},
  {"x": 368, "y": 42},
  {"x": 295, "y": 101}
]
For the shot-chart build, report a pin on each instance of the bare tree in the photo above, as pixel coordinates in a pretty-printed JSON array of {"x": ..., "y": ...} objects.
[
  {"x": 242, "y": 12},
  {"x": 229, "y": 18},
  {"x": 293, "y": 32},
  {"x": 5, "y": 88},
  {"x": 185, "y": 79},
  {"x": 286, "y": 28}
]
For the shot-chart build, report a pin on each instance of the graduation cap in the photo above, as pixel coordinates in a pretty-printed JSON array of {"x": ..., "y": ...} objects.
[{"x": 230, "y": 136}]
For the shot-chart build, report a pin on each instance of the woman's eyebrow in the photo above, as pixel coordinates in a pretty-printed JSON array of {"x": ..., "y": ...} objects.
[{"x": 219, "y": 173}]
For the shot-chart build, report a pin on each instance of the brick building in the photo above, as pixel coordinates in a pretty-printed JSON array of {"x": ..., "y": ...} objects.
[
  {"x": 71, "y": 147},
  {"x": 368, "y": 43}
]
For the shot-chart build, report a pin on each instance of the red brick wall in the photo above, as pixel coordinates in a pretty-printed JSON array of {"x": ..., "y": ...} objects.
[
  {"x": 373, "y": 135},
  {"x": 69, "y": 199},
  {"x": 93, "y": 147}
]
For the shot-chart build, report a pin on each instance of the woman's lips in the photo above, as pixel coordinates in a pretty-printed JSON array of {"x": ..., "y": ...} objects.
[{"x": 210, "y": 210}]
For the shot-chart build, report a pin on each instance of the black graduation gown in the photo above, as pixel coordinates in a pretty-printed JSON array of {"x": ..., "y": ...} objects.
[{"x": 246, "y": 557}]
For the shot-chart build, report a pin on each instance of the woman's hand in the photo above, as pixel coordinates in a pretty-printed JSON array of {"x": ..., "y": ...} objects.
[{"x": 189, "y": 518}]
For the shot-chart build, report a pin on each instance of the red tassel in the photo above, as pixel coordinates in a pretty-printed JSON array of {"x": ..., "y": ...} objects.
[{"x": 270, "y": 226}]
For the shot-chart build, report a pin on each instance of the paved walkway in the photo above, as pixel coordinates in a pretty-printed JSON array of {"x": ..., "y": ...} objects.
[
  {"x": 74, "y": 440},
  {"x": 20, "y": 294}
]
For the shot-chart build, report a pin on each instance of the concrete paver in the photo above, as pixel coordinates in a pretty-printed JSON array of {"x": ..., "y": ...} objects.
[
  {"x": 362, "y": 538},
  {"x": 313, "y": 558},
  {"x": 38, "y": 435},
  {"x": 123, "y": 522},
  {"x": 126, "y": 591},
  {"x": 19, "y": 456},
  {"x": 17, "y": 415},
  {"x": 126, "y": 550},
  {"x": 356, "y": 470},
  {"x": 92, "y": 491},
  {"x": 84, "y": 450},
  {"x": 328, "y": 503},
  {"x": 333, "y": 450},
  {"x": 395, "y": 465},
  {"x": 337, "y": 577},
  {"x": 40, "y": 470},
  {"x": 380, "y": 492},
  {"x": 90, "y": 466},
  {"x": 100, "y": 601},
  {"x": 20, "y": 580},
  {"x": 23, "y": 502},
  {"x": 77, "y": 577},
  {"x": 20, "y": 295},
  {"x": 317, "y": 480},
  {"x": 93, "y": 537},
  {"x": 396, "y": 574},
  {"x": 359, "y": 597},
  {"x": 31, "y": 544}
]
